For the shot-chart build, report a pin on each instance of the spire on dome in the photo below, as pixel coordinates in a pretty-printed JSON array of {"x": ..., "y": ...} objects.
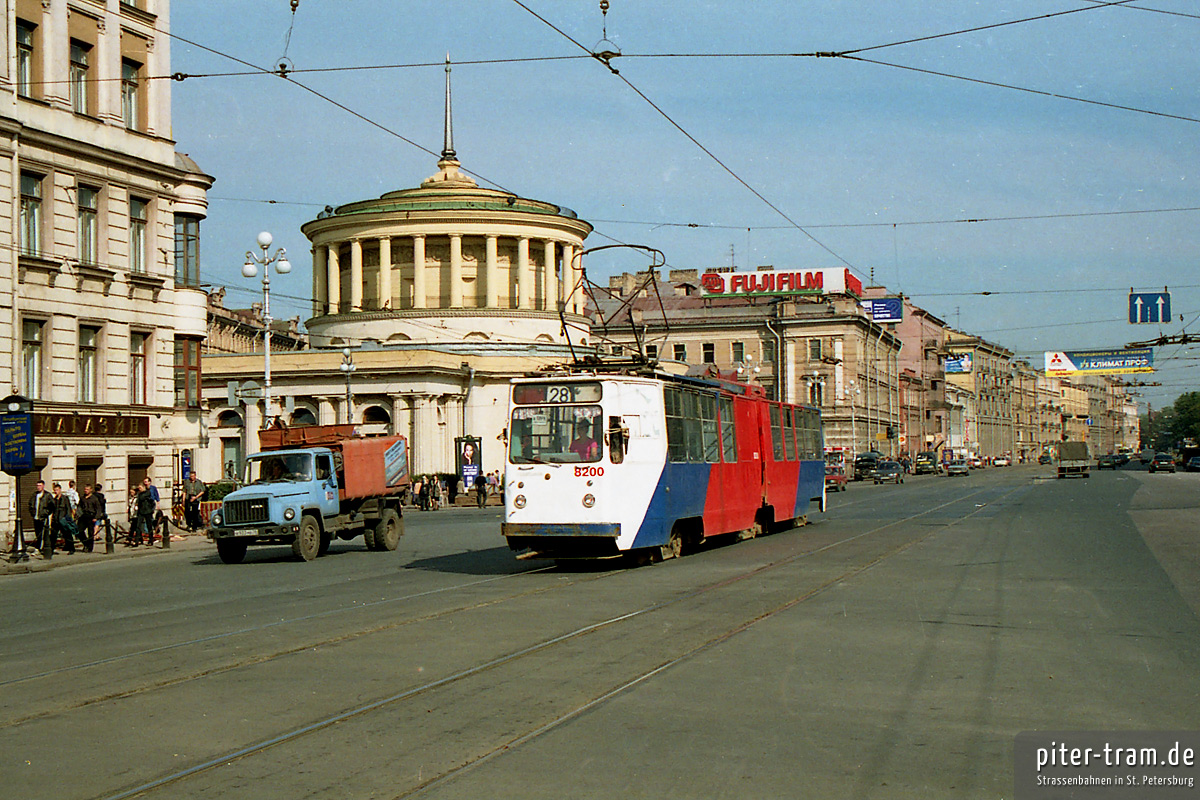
[
  {"x": 448, "y": 173},
  {"x": 448, "y": 142}
]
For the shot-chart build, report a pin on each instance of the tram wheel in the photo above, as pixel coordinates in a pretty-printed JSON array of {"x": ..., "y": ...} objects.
[{"x": 674, "y": 546}]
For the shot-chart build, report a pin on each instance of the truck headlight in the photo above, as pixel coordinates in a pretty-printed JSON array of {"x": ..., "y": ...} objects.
[
  {"x": 289, "y": 514},
  {"x": 215, "y": 519}
]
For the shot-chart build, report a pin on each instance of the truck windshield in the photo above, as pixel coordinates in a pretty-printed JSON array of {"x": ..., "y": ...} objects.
[
  {"x": 556, "y": 434},
  {"x": 270, "y": 468}
]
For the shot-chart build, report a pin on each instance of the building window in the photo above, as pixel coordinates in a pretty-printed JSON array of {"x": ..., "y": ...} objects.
[
  {"x": 31, "y": 214},
  {"x": 89, "y": 340},
  {"x": 131, "y": 94},
  {"x": 137, "y": 234},
  {"x": 26, "y": 65},
  {"x": 137, "y": 368},
  {"x": 652, "y": 351},
  {"x": 187, "y": 372},
  {"x": 32, "y": 340},
  {"x": 87, "y": 215},
  {"x": 768, "y": 351},
  {"x": 709, "y": 352},
  {"x": 680, "y": 352},
  {"x": 78, "y": 75},
  {"x": 187, "y": 250},
  {"x": 816, "y": 393},
  {"x": 814, "y": 349},
  {"x": 739, "y": 352}
]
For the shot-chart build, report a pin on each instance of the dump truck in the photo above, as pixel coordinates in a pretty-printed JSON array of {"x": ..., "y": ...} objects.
[
  {"x": 1073, "y": 459},
  {"x": 310, "y": 484}
]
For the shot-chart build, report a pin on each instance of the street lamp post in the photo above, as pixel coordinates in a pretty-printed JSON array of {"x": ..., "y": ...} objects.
[
  {"x": 347, "y": 368},
  {"x": 250, "y": 270}
]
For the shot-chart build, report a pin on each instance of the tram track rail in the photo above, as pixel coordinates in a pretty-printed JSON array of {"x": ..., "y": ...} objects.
[{"x": 329, "y": 721}]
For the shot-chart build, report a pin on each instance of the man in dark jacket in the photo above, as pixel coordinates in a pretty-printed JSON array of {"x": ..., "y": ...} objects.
[
  {"x": 90, "y": 514},
  {"x": 147, "y": 504},
  {"x": 41, "y": 508}
]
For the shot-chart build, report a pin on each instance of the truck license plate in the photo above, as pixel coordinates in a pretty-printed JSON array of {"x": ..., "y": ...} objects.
[{"x": 245, "y": 532}]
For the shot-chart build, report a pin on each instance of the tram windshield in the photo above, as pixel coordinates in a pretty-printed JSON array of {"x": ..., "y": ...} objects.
[{"x": 556, "y": 435}]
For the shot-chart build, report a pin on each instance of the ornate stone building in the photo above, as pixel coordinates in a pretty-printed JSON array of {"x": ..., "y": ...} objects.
[
  {"x": 441, "y": 294},
  {"x": 103, "y": 316}
]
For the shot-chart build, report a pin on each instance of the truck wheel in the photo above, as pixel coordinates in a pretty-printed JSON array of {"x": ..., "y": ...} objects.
[
  {"x": 231, "y": 551},
  {"x": 307, "y": 543},
  {"x": 388, "y": 531}
]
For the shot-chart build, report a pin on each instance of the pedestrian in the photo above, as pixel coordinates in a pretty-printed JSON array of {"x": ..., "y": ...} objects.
[
  {"x": 41, "y": 509},
  {"x": 90, "y": 514},
  {"x": 73, "y": 494},
  {"x": 63, "y": 521},
  {"x": 481, "y": 487},
  {"x": 151, "y": 527},
  {"x": 194, "y": 491},
  {"x": 103, "y": 509},
  {"x": 147, "y": 504},
  {"x": 135, "y": 534}
]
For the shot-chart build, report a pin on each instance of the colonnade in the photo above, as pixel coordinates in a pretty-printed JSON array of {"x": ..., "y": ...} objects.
[{"x": 501, "y": 281}]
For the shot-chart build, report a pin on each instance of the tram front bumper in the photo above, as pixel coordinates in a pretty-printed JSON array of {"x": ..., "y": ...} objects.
[{"x": 564, "y": 539}]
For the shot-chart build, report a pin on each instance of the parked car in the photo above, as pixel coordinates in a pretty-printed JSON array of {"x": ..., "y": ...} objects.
[
  {"x": 835, "y": 479},
  {"x": 957, "y": 467},
  {"x": 1045, "y": 458},
  {"x": 1162, "y": 462},
  {"x": 1193, "y": 464},
  {"x": 975, "y": 462},
  {"x": 1106, "y": 462},
  {"x": 1001, "y": 461},
  {"x": 888, "y": 472}
]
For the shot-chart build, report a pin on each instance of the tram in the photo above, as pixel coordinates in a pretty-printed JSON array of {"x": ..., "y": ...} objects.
[{"x": 607, "y": 464}]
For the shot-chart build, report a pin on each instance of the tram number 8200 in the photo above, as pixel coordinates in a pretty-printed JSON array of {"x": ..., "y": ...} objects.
[{"x": 589, "y": 472}]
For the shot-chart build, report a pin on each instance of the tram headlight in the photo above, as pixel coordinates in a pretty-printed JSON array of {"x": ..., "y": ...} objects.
[
  {"x": 519, "y": 501},
  {"x": 588, "y": 501}
]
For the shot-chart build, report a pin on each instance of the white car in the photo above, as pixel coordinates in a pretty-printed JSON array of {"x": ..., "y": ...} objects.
[{"x": 1002, "y": 461}]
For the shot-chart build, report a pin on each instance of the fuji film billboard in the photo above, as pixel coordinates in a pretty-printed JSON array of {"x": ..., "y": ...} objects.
[{"x": 747, "y": 283}]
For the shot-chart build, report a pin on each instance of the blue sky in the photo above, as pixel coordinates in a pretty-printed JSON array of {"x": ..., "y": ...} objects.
[{"x": 1076, "y": 202}]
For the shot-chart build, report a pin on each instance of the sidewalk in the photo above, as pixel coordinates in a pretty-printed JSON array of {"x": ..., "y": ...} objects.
[{"x": 35, "y": 563}]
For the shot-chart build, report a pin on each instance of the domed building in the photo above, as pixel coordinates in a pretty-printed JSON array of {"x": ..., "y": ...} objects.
[{"x": 440, "y": 294}]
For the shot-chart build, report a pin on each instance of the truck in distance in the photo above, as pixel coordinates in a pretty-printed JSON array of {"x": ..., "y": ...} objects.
[
  {"x": 310, "y": 484},
  {"x": 1073, "y": 459}
]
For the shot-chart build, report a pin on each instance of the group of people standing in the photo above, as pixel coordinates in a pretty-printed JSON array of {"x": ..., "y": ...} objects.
[{"x": 65, "y": 515}]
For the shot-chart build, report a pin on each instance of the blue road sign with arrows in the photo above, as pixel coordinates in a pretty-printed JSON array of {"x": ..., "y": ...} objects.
[{"x": 1152, "y": 307}]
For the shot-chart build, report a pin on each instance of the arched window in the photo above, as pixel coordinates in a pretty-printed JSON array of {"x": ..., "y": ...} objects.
[
  {"x": 302, "y": 416},
  {"x": 229, "y": 419},
  {"x": 376, "y": 415}
]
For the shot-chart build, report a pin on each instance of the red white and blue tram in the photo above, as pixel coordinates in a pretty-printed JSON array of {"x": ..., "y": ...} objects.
[{"x": 605, "y": 464}]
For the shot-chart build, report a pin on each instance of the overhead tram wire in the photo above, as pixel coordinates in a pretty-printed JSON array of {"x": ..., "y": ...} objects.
[{"x": 605, "y": 61}]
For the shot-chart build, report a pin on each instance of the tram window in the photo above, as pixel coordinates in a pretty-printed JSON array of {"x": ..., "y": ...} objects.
[
  {"x": 692, "y": 426},
  {"x": 676, "y": 435},
  {"x": 556, "y": 435},
  {"x": 777, "y": 432},
  {"x": 818, "y": 434},
  {"x": 789, "y": 433},
  {"x": 708, "y": 422},
  {"x": 616, "y": 440},
  {"x": 728, "y": 432}
]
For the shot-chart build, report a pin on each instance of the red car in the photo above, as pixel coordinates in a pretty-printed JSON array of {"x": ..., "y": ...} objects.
[{"x": 835, "y": 479}]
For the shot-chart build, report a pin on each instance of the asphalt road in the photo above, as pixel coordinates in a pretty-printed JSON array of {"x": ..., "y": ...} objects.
[{"x": 893, "y": 648}]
